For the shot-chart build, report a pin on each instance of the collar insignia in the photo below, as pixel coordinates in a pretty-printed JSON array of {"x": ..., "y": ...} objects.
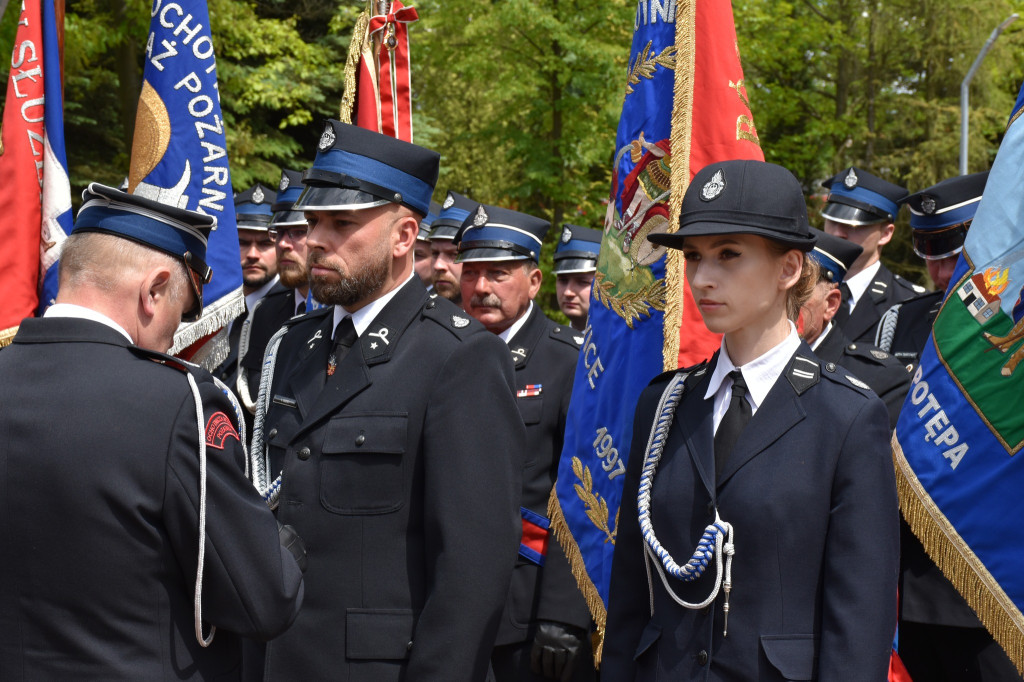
[
  {"x": 518, "y": 354},
  {"x": 566, "y": 235},
  {"x": 850, "y": 180},
  {"x": 481, "y": 217},
  {"x": 327, "y": 139},
  {"x": 258, "y": 196},
  {"x": 713, "y": 187},
  {"x": 459, "y": 322},
  {"x": 449, "y": 201},
  {"x": 928, "y": 204},
  {"x": 285, "y": 182}
]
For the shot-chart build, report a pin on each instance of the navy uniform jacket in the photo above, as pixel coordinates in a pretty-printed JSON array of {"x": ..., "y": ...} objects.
[
  {"x": 267, "y": 316},
  {"x": 884, "y": 291},
  {"x": 100, "y": 478},
  {"x": 402, "y": 475},
  {"x": 905, "y": 328},
  {"x": 810, "y": 491},
  {"x": 545, "y": 355},
  {"x": 886, "y": 376},
  {"x": 227, "y": 371}
]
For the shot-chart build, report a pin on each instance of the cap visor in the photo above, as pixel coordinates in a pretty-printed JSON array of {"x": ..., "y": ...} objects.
[
  {"x": 568, "y": 266},
  {"x": 288, "y": 218},
  {"x": 487, "y": 254},
  {"x": 699, "y": 229},
  {"x": 336, "y": 199},
  {"x": 443, "y": 231},
  {"x": 851, "y": 215}
]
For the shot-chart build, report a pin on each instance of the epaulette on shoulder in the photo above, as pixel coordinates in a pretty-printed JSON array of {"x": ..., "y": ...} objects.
[
  {"x": 450, "y": 316},
  {"x": 868, "y": 352},
  {"x": 692, "y": 373},
  {"x": 183, "y": 366},
  {"x": 907, "y": 284},
  {"x": 567, "y": 335},
  {"x": 838, "y": 375},
  {"x": 317, "y": 314}
]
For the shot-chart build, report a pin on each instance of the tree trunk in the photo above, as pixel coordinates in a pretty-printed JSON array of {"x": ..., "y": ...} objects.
[{"x": 129, "y": 77}]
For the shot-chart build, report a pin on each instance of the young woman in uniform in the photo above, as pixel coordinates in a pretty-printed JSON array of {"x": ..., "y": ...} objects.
[{"x": 758, "y": 534}]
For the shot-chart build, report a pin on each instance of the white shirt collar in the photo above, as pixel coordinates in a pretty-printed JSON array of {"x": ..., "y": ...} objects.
[
  {"x": 363, "y": 318},
  {"x": 250, "y": 299},
  {"x": 760, "y": 374},
  {"x": 821, "y": 336},
  {"x": 83, "y": 313},
  {"x": 860, "y": 282},
  {"x": 510, "y": 333},
  {"x": 298, "y": 298}
]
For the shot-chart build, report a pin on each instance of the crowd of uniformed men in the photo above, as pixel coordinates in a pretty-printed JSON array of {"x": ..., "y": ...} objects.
[{"x": 405, "y": 401}]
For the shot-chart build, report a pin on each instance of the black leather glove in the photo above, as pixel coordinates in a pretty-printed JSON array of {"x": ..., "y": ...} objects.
[
  {"x": 556, "y": 646},
  {"x": 291, "y": 541}
]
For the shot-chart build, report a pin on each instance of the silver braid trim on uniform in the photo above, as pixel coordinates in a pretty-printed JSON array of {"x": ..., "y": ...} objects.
[
  {"x": 259, "y": 455},
  {"x": 887, "y": 328},
  {"x": 242, "y": 384},
  {"x": 215, "y": 316},
  {"x": 198, "y": 604},
  {"x": 717, "y": 538}
]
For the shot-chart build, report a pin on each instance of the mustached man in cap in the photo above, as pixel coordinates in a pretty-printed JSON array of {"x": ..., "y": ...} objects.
[
  {"x": 391, "y": 436},
  {"x": 422, "y": 260},
  {"x": 769, "y": 468},
  {"x": 862, "y": 209},
  {"x": 545, "y": 628},
  {"x": 886, "y": 376},
  {"x": 575, "y": 265},
  {"x": 447, "y": 271},
  {"x": 259, "y": 266},
  {"x": 287, "y": 298},
  {"x": 134, "y": 546},
  {"x": 939, "y": 219},
  {"x": 941, "y": 637}
]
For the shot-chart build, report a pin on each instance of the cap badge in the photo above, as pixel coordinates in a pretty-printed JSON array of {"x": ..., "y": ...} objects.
[
  {"x": 459, "y": 322},
  {"x": 327, "y": 139},
  {"x": 851, "y": 179},
  {"x": 257, "y": 196},
  {"x": 481, "y": 217},
  {"x": 449, "y": 201},
  {"x": 713, "y": 187},
  {"x": 284, "y": 183},
  {"x": 566, "y": 235},
  {"x": 928, "y": 204}
]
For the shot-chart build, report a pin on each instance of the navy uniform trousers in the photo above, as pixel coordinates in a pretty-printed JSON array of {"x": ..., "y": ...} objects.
[
  {"x": 100, "y": 479},
  {"x": 810, "y": 491},
  {"x": 545, "y": 356},
  {"x": 401, "y": 472}
]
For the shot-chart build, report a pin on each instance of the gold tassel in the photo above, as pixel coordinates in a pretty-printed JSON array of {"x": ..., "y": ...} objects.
[
  {"x": 958, "y": 563},
  {"x": 682, "y": 132},
  {"x": 355, "y": 50},
  {"x": 7, "y": 335}
]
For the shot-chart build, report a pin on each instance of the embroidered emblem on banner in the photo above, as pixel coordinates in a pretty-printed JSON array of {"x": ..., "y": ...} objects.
[
  {"x": 218, "y": 429},
  {"x": 327, "y": 139},
  {"x": 850, "y": 180},
  {"x": 285, "y": 182},
  {"x": 713, "y": 187}
]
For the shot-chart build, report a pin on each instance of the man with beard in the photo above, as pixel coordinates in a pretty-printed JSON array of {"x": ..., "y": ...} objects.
[
  {"x": 575, "y": 265},
  {"x": 544, "y": 631},
  {"x": 286, "y": 299},
  {"x": 259, "y": 266},
  {"x": 391, "y": 434},
  {"x": 446, "y": 271},
  {"x": 422, "y": 260}
]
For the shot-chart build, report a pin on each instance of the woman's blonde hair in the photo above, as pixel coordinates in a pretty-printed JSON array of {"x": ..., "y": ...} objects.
[{"x": 798, "y": 294}]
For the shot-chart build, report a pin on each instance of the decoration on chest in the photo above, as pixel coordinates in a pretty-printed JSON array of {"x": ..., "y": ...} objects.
[{"x": 530, "y": 390}]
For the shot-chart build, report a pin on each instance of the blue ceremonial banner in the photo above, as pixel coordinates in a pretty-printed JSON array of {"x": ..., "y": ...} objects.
[
  {"x": 179, "y": 155},
  {"x": 685, "y": 106},
  {"x": 957, "y": 444}
]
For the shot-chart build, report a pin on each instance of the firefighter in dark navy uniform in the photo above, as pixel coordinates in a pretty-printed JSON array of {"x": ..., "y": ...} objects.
[
  {"x": 388, "y": 437},
  {"x": 758, "y": 534},
  {"x": 889, "y": 379},
  {"x": 545, "y": 628},
  {"x": 939, "y": 219},
  {"x": 863, "y": 208},
  {"x": 424, "y": 262},
  {"x": 443, "y": 250},
  {"x": 941, "y": 638},
  {"x": 134, "y": 547},
  {"x": 282, "y": 302},
  {"x": 575, "y": 263}
]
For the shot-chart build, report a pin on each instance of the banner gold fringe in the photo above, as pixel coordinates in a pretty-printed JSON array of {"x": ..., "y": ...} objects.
[
  {"x": 958, "y": 563},
  {"x": 682, "y": 132},
  {"x": 355, "y": 50},
  {"x": 7, "y": 335},
  {"x": 563, "y": 535},
  {"x": 215, "y": 316}
]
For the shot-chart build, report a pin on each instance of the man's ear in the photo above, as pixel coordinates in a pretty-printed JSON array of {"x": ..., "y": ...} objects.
[
  {"x": 404, "y": 229},
  {"x": 154, "y": 290},
  {"x": 535, "y": 278},
  {"x": 833, "y": 299},
  {"x": 886, "y": 235}
]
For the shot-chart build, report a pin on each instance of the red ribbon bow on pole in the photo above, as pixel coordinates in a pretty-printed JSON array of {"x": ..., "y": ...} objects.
[{"x": 390, "y": 112}]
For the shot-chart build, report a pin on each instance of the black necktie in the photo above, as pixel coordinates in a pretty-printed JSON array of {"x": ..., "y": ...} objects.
[
  {"x": 843, "y": 314},
  {"x": 301, "y": 308},
  {"x": 736, "y": 417},
  {"x": 344, "y": 338}
]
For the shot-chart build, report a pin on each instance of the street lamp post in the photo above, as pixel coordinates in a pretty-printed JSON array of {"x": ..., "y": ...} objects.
[{"x": 965, "y": 85}]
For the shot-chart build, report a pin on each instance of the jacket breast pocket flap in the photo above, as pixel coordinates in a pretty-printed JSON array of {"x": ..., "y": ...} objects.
[
  {"x": 648, "y": 638},
  {"x": 794, "y": 656},
  {"x": 531, "y": 409},
  {"x": 379, "y": 634},
  {"x": 362, "y": 467}
]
